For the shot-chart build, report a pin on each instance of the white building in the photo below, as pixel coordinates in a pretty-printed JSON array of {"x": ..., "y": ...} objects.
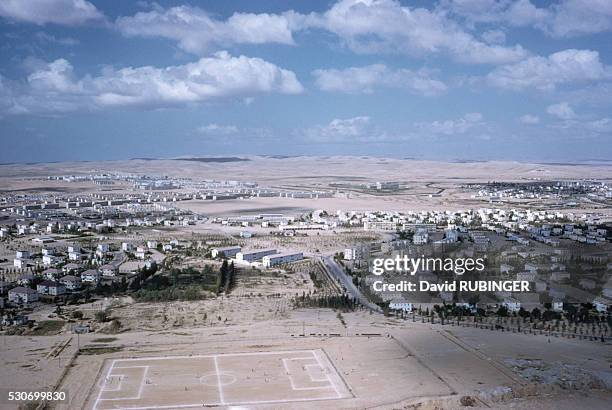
[
  {"x": 21, "y": 254},
  {"x": 226, "y": 252},
  {"x": 21, "y": 263},
  {"x": 351, "y": 254},
  {"x": 91, "y": 276},
  {"x": 74, "y": 256},
  {"x": 252, "y": 256},
  {"x": 108, "y": 270},
  {"x": 281, "y": 258},
  {"x": 50, "y": 260}
]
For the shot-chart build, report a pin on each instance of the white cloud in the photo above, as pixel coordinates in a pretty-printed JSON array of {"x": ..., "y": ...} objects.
[
  {"x": 561, "y": 110},
  {"x": 351, "y": 127},
  {"x": 55, "y": 88},
  {"x": 365, "y": 26},
  {"x": 566, "y": 18},
  {"x": 363, "y": 80},
  {"x": 545, "y": 73},
  {"x": 63, "y": 12},
  {"x": 195, "y": 30},
  {"x": 373, "y": 26},
  {"x": 452, "y": 127},
  {"x": 217, "y": 129},
  {"x": 356, "y": 129},
  {"x": 576, "y": 17},
  {"x": 529, "y": 119}
]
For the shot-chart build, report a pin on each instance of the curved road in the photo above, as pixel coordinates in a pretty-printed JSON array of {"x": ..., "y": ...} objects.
[{"x": 338, "y": 272}]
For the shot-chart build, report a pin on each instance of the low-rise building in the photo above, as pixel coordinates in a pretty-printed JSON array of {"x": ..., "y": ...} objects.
[
  {"x": 108, "y": 270},
  {"x": 71, "y": 267},
  {"x": 23, "y": 295},
  {"x": 281, "y": 258},
  {"x": 71, "y": 282},
  {"x": 51, "y": 274},
  {"x": 90, "y": 276},
  {"x": 226, "y": 252},
  {"x": 22, "y": 254},
  {"x": 21, "y": 263},
  {"x": 255, "y": 255},
  {"x": 51, "y": 260},
  {"x": 48, "y": 287}
]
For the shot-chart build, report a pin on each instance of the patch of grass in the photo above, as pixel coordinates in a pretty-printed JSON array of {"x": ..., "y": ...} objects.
[
  {"x": 93, "y": 350},
  {"x": 47, "y": 328},
  {"x": 104, "y": 340}
]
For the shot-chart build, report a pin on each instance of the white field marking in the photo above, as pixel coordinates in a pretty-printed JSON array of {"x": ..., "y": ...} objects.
[
  {"x": 140, "y": 387},
  {"x": 230, "y": 403},
  {"x": 309, "y": 366},
  {"x": 277, "y": 352},
  {"x": 293, "y": 386},
  {"x": 220, "y": 386},
  {"x": 327, "y": 374},
  {"x": 105, "y": 388},
  {"x": 102, "y": 387},
  {"x": 256, "y": 402}
]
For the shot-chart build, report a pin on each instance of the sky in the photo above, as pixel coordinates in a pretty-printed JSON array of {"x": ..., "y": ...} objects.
[{"x": 521, "y": 80}]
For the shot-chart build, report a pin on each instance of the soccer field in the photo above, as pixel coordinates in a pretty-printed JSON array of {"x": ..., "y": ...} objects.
[{"x": 224, "y": 379}]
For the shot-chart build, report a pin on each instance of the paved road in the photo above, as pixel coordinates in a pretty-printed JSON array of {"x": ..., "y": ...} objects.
[
  {"x": 118, "y": 258},
  {"x": 338, "y": 272}
]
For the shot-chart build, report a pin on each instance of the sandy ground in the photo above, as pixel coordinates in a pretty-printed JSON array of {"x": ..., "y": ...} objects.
[
  {"x": 384, "y": 362},
  {"x": 295, "y": 169},
  {"x": 420, "y": 179}
]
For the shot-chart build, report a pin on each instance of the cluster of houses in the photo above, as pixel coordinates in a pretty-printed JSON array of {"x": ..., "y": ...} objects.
[
  {"x": 560, "y": 190},
  {"x": 517, "y": 224},
  {"x": 547, "y": 271},
  {"x": 71, "y": 269},
  {"x": 101, "y": 221}
]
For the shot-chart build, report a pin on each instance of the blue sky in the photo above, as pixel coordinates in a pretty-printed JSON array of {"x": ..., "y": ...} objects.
[{"x": 519, "y": 80}]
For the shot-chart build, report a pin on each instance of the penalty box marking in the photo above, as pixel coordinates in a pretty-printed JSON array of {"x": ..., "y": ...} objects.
[
  {"x": 120, "y": 383},
  {"x": 222, "y": 401}
]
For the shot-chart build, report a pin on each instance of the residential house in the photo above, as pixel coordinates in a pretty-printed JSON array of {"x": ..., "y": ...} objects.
[
  {"x": 53, "y": 288},
  {"x": 90, "y": 276},
  {"x": 108, "y": 270},
  {"x": 71, "y": 282},
  {"x": 22, "y": 295}
]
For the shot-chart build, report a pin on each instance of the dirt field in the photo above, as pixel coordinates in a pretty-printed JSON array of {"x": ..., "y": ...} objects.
[{"x": 220, "y": 380}]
